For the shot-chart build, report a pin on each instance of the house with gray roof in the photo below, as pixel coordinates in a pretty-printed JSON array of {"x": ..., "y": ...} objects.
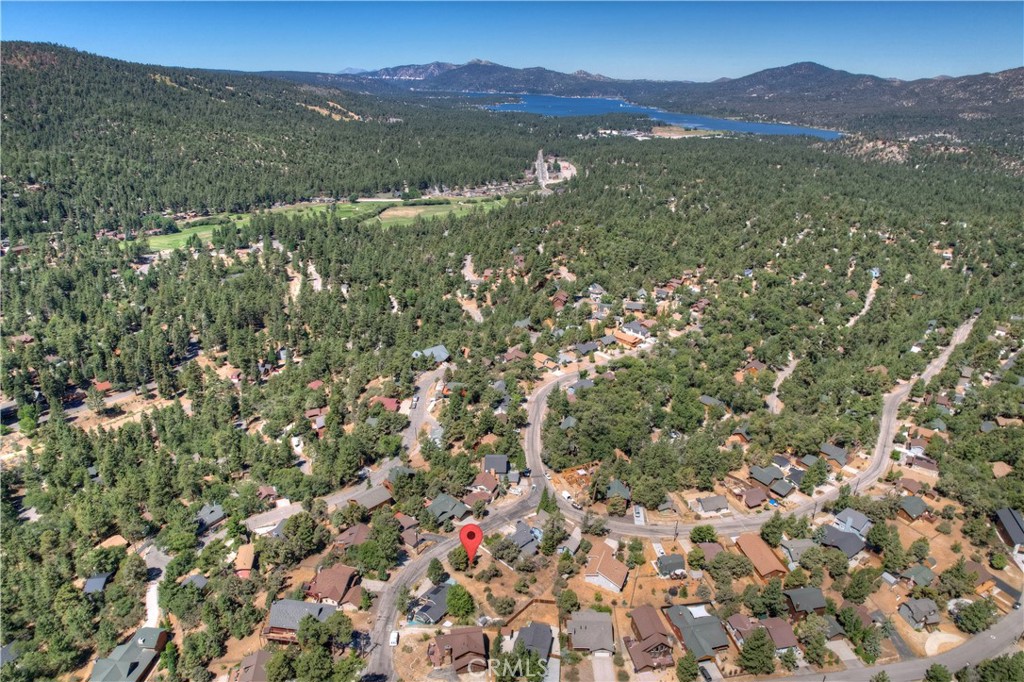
[
  {"x": 912, "y": 507},
  {"x": 587, "y": 348},
  {"x": 794, "y": 549},
  {"x": 636, "y": 329},
  {"x": 617, "y": 488},
  {"x": 96, "y": 584},
  {"x": 537, "y": 638},
  {"x": 372, "y": 498},
  {"x": 702, "y": 633},
  {"x": 852, "y": 521},
  {"x": 432, "y": 607},
  {"x": 920, "y": 613},
  {"x": 670, "y": 565},
  {"x": 446, "y": 508},
  {"x": 591, "y": 631},
  {"x": 765, "y": 476},
  {"x": 496, "y": 464},
  {"x": 918, "y": 575},
  {"x": 849, "y": 544},
  {"x": 286, "y": 615},
  {"x": 782, "y": 488},
  {"x": 209, "y": 517},
  {"x": 709, "y": 401},
  {"x": 571, "y": 544},
  {"x": 837, "y": 455},
  {"x": 714, "y": 504},
  {"x": 1010, "y": 525},
  {"x": 569, "y": 422},
  {"x": 436, "y": 353},
  {"x": 526, "y": 539},
  {"x": 133, "y": 660},
  {"x": 804, "y": 601}
]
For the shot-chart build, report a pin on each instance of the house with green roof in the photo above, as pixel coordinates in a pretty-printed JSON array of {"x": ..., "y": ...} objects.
[{"x": 133, "y": 660}]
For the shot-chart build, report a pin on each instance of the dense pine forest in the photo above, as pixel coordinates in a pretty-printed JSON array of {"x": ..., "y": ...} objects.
[{"x": 783, "y": 230}]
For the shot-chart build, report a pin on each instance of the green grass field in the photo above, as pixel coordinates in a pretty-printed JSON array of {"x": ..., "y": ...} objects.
[
  {"x": 406, "y": 215},
  {"x": 205, "y": 231}
]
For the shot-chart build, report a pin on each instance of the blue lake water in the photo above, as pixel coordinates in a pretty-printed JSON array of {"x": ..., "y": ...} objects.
[{"x": 551, "y": 105}]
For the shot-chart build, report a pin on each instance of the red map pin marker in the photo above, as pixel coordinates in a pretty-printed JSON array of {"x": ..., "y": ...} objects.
[{"x": 471, "y": 536}]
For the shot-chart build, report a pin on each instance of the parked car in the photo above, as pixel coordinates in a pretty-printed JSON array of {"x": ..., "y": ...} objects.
[{"x": 393, "y": 640}]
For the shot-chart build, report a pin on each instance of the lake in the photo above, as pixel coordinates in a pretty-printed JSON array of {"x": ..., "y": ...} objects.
[{"x": 551, "y": 105}]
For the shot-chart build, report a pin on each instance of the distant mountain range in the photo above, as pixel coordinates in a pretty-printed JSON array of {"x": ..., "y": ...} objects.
[{"x": 986, "y": 106}]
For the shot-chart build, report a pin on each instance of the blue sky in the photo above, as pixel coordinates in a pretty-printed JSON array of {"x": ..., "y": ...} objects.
[{"x": 684, "y": 41}]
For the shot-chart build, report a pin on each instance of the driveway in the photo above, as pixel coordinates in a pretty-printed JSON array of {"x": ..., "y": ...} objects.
[{"x": 604, "y": 670}]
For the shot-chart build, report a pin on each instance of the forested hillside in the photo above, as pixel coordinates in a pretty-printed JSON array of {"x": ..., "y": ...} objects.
[{"x": 96, "y": 142}]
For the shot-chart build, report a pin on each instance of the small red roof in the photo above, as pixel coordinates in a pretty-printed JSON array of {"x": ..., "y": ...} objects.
[
  {"x": 103, "y": 386},
  {"x": 390, "y": 404},
  {"x": 315, "y": 385}
]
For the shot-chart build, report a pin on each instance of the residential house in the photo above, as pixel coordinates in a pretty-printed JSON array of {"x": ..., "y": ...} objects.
[
  {"x": 849, "y": 544},
  {"x": 710, "y": 549},
  {"x": 253, "y": 668},
  {"x": 782, "y": 489},
  {"x": 596, "y": 291},
  {"x": 267, "y": 493},
  {"x": 464, "y": 649},
  {"x": 412, "y": 541},
  {"x": 336, "y": 585},
  {"x": 209, "y": 517},
  {"x": 794, "y": 549},
  {"x": 542, "y": 361},
  {"x": 353, "y": 536},
  {"x": 570, "y": 422},
  {"x": 852, "y": 521},
  {"x": 315, "y": 385},
  {"x": 604, "y": 570},
  {"x": 754, "y": 367},
  {"x": 650, "y": 648},
  {"x": 287, "y": 614},
  {"x": 389, "y": 404},
  {"x": 585, "y": 349},
  {"x": 920, "y": 613},
  {"x": 96, "y": 584},
  {"x": 714, "y": 504},
  {"x": 133, "y": 660},
  {"x": 764, "y": 477},
  {"x": 196, "y": 580},
  {"x": 912, "y": 508},
  {"x": 617, "y": 488},
  {"x": 837, "y": 456},
  {"x": 446, "y": 508},
  {"x": 559, "y": 300},
  {"x": 536, "y": 638},
  {"x": 766, "y": 564},
  {"x": 245, "y": 559},
  {"x": 372, "y": 498},
  {"x": 514, "y": 355},
  {"x": 437, "y": 353},
  {"x": 626, "y": 339},
  {"x": 571, "y": 544},
  {"x": 918, "y": 575},
  {"x": 591, "y": 631},
  {"x": 432, "y": 607},
  {"x": 909, "y": 486},
  {"x": 1010, "y": 526},
  {"x": 397, "y": 474},
  {"x": 754, "y": 497},
  {"x": 700, "y": 632},
  {"x": 804, "y": 601},
  {"x": 496, "y": 464},
  {"x": 671, "y": 565},
  {"x": 485, "y": 482},
  {"x": 526, "y": 539},
  {"x": 637, "y": 329}
]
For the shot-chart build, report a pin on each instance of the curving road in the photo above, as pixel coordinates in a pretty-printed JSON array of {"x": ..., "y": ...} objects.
[{"x": 990, "y": 643}]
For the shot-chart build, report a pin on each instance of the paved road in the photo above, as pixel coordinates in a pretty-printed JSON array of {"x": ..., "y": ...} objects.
[
  {"x": 772, "y": 400},
  {"x": 542, "y": 170}
]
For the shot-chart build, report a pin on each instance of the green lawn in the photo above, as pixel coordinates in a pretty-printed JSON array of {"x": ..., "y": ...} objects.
[
  {"x": 406, "y": 215},
  {"x": 205, "y": 231}
]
